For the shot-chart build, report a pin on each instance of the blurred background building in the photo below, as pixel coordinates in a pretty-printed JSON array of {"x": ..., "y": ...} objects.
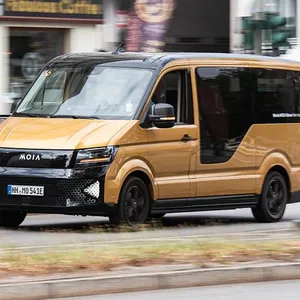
[
  {"x": 268, "y": 27},
  {"x": 32, "y": 32}
]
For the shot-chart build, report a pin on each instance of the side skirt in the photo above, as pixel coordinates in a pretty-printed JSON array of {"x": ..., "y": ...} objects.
[
  {"x": 204, "y": 203},
  {"x": 295, "y": 197}
]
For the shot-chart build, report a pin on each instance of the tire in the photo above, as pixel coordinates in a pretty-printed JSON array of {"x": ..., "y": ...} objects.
[
  {"x": 273, "y": 199},
  {"x": 134, "y": 203},
  {"x": 11, "y": 218}
]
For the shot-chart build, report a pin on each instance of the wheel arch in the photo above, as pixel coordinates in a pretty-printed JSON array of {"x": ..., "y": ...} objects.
[
  {"x": 276, "y": 162},
  {"x": 136, "y": 168},
  {"x": 281, "y": 170},
  {"x": 268, "y": 209},
  {"x": 145, "y": 178}
]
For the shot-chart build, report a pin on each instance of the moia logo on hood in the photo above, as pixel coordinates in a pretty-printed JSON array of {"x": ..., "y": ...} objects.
[{"x": 30, "y": 157}]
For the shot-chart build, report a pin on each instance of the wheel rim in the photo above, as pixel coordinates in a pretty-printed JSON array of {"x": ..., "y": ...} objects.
[
  {"x": 276, "y": 196},
  {"x": 134, "y": 204}
]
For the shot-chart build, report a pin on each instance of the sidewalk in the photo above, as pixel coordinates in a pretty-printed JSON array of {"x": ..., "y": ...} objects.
[{"x": 141, "y": 279}]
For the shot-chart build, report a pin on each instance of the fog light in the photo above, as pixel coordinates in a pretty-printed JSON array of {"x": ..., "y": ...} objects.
[
  {"x": 71, "y": 203},
  {"x": 93, "y": 190}
]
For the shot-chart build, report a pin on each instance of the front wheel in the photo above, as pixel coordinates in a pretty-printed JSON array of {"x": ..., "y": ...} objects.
[
  {"x": 134, "y": 203},
  {"x": 273, "y": 199},
  {"x": 11, "y": 218}
]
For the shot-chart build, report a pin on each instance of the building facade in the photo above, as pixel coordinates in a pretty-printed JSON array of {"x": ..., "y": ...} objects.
[
  {"x": 195, "y": 25},
  {"x": 32, "y": 32}
]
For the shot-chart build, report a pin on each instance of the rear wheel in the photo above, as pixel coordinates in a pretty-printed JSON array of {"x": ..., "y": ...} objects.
[
  {"x": 273, "y": 199},
  {"x": 134, "y": 203},
  {"x": 11, "y": 218}
]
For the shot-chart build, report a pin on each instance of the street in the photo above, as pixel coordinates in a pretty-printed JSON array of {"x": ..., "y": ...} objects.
[
  {"x": 41, "y": 231},
  {"x": 280, "y": 290}
]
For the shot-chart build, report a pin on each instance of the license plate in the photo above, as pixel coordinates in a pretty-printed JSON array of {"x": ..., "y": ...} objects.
[{"x": 25, "y": 190}]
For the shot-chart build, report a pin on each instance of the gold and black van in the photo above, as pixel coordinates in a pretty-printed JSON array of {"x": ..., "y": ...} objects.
[{"x": 132, "y": 136}]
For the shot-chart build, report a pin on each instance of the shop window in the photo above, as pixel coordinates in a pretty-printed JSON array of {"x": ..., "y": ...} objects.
[
  {"x": 225, "y": 110},
  {"x": 175, "y": 89},
  {"x": 30, "y": 50}
]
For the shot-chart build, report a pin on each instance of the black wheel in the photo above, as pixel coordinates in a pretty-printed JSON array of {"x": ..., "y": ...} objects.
[
  {"x": 11, "y": 218},
  {"x": 134, "y": 203},
  {"x": 273, "y": 199}
]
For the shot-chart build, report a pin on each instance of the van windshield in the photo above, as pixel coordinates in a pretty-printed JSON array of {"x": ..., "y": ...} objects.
[{"x": 97, "y": 92}]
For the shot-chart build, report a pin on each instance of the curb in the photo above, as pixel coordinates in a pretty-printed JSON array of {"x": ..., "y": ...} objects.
[{"x": 60, "y": 288}]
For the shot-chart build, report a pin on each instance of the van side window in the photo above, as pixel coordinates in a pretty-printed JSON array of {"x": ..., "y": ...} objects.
[
  {"x": 225, "y": 110},
  {"x": 175, "y": 89},
  {"x": 276, "y": 98}
]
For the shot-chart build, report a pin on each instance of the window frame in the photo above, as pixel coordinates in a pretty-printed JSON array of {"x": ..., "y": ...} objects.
[
  {"x": 203, "y": 160},
  {"x": 252, "y": 71},
  {"x": 186, "y": 74}
]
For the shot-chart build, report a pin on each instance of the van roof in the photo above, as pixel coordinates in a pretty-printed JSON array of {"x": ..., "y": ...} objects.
[{"x": 158, "y": 60}]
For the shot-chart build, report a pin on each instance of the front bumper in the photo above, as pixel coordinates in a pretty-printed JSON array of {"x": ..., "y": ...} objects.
[{"x": 67, "y": 191}]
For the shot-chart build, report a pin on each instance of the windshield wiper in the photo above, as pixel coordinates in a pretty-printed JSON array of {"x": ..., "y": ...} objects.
[
  {"x": 28, "y": 115},
  {"x": 74, "y": 117}
]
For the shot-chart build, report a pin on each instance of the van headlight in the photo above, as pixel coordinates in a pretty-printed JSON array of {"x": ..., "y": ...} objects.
[{"x": 96, "y": 156}]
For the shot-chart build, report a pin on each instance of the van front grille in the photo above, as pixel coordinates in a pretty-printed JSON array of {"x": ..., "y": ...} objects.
[{"x": 57, "y": 192}]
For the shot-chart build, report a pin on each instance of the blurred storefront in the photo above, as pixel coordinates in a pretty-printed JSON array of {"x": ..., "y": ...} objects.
[
  {"x": 200, "y": 26},
  {"x": 187, "y": 25},
  {"x": 29, "y": 50},
  {"x": 32, "y": 32}
]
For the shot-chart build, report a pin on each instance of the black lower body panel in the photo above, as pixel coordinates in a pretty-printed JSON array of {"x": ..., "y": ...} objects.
[
  {"x": 295, "y": 197},
  {"x": 204, "y": 203},
  {"x": 70, "y": 191}
]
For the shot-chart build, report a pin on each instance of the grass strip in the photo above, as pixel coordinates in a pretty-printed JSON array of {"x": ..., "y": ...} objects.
[{"x": 201, "y": 254}]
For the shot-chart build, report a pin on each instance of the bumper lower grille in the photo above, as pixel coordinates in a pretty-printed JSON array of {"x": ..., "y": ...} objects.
[{"x": 57, "y": 192}]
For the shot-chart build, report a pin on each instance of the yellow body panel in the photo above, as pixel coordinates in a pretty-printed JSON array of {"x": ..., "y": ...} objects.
[
  {"x": 46, "y": 133},
  {"x": 277, "y": 145}
]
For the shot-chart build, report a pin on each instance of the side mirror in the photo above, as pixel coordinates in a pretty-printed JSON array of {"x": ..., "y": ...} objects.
[{"x": 162, "y": 115}]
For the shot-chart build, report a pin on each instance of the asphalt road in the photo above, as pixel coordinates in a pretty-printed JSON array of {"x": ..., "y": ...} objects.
[
  {"x": 49, "y": 230},
  {"x": 280, "y": 290},
  {"x": 229, "y": 217}
]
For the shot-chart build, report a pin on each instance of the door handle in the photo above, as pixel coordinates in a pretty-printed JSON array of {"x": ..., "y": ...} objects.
[{"x": 186, "y": 138}]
